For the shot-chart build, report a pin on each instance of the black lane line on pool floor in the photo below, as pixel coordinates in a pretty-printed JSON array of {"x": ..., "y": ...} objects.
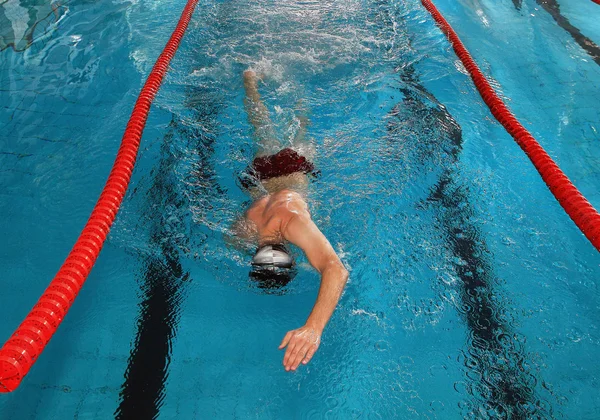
[
  {"x": 142, "y": 392},
  {"x": 506, "y": 387},
  {"x": 164, "y": 281},
  {"x": 553, "y": 8}
]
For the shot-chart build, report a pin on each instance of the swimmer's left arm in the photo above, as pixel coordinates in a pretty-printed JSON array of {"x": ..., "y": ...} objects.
[
  {"x": 240, "y": 233},
  {"x": 304, "y": 342}
]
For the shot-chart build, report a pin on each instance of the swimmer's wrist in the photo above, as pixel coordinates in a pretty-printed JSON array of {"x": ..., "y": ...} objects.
[{"x": 315, "y": 326}]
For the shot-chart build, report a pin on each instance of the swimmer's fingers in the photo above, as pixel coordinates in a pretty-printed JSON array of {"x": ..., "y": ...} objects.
[
  {"x": 290, "y": 353},
  {"x": 310, "y": 354},
  {"x": 286, "y": 340},
  {"x": 300, "y": 355},
  {"x": 294, "y": 352}
]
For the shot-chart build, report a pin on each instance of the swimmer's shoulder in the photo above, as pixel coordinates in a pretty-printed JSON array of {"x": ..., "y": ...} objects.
[
  {"x": 283, "y": 204},
  {"x": 287, "y": 195},
  {"x": 257, "y": 208},
  {"x": 289, "y": 205},
  {"x": 289, "y": 199}
]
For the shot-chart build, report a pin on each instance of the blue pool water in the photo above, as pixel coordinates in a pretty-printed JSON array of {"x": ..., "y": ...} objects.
[{"x": 471, "y": 293}]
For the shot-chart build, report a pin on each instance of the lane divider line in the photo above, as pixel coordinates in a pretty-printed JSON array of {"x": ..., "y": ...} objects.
[
  {"x": 23, "y": 348},
  {"x": 573, "y": 202}
]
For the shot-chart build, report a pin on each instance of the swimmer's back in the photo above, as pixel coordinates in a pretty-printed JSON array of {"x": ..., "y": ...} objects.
[{"x": 271, "y": 214}]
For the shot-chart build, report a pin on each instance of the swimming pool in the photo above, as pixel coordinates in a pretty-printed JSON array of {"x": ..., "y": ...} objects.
[{"x": 471, "y": 292}]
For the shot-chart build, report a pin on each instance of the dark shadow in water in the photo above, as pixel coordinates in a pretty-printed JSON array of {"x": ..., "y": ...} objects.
[
  {"x": 164, "y": 281},
  {"x": 495, "y": 361},
  {"x": 518, "y": 4}
]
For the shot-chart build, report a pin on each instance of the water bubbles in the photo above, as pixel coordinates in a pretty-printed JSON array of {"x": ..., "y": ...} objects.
[
  {"x": 382, "y": 345},
  {"x": 268, "y": 69},
  {"x": 331, "y": 402}
]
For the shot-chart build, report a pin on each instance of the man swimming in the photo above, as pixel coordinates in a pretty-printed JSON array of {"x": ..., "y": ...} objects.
[{"x": 277, "y": 180}]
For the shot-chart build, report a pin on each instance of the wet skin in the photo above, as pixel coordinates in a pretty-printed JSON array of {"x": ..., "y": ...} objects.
[
  {"x": 270, "y": 215},
  {"x": 284, "y": 216}
]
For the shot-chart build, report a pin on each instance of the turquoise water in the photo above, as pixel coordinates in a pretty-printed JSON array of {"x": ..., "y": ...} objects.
[{"x": 471, "y": 293}]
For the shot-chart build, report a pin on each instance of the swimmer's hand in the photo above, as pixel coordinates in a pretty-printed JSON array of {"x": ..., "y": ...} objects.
[{"x": 301, "y": 346}]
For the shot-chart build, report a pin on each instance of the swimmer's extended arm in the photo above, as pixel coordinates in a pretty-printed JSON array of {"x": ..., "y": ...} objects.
[{"x": 304, "y": 342}]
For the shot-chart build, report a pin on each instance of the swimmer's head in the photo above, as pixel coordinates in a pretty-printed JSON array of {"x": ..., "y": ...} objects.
[
  {"x": 276, "y": 255},
  {"x": 272, "y": 268}
]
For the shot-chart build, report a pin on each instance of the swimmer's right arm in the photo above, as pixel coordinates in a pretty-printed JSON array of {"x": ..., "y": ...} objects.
[{"x": 303, "y": 342}]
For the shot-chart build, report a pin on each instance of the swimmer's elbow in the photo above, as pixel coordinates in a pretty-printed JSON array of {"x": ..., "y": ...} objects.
[
  {"x": 336, "y": 269},
  {"x": 344, "y": 274}
]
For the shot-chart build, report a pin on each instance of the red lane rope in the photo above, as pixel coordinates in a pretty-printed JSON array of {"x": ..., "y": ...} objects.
[
  {"x": 569, "y": 197},
  {"x": 28, "y": 341},
  {"x": 596, "y": 1}
]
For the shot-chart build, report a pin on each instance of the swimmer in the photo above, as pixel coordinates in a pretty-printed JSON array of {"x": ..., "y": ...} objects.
[{"x": 277, "y": 181}]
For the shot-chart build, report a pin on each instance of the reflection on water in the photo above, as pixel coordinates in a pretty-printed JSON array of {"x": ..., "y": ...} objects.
[{"x": 22, "y": 22}]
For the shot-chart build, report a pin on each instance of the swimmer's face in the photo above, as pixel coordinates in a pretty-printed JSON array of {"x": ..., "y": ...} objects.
[{"x": 272, "y": 279}]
